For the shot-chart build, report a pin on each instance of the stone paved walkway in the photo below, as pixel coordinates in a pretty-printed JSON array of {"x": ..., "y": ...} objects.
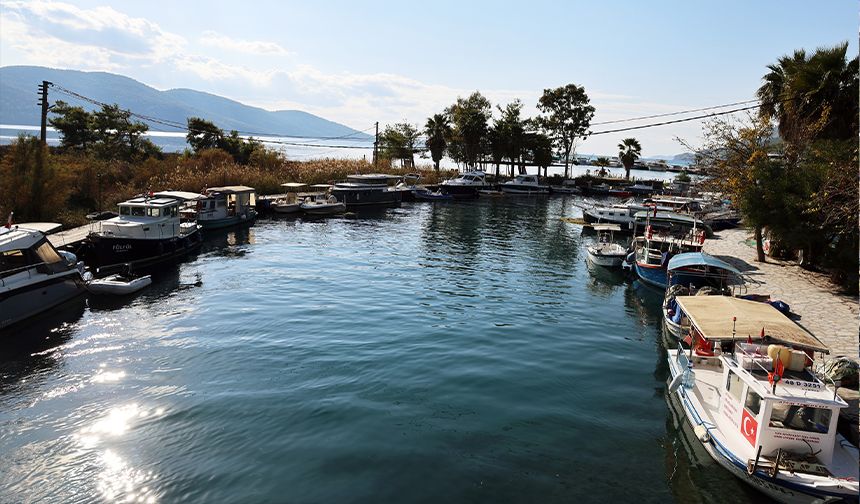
[{"x": 830, "y": 316}]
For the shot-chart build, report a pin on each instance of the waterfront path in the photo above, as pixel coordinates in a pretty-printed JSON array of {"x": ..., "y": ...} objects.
[{"x": 823, "y": 311}]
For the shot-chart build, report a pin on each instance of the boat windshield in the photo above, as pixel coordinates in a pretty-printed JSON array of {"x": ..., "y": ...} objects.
[{"x": 805, "y": 418}]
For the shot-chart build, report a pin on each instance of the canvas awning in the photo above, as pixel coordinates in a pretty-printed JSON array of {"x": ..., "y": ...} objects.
[
  {"x": 714, "y": 317},
  {"x": 606, "y": 227},
  {"x": 180, "y": 195},
  {"x": 688, "y": 259},
  {"x": 231, "y": 189}
]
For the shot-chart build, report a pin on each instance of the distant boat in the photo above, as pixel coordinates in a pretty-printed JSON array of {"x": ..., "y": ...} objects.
[
  {"x": 525, "y": 184},
  {"x": 291, "y": 202},
  {"x": 438, "y": 195},
  {"x": 408, "y": 186},
  {"x": 322, "y": 204},
  {"x": 227, "y": 206},
  {"x": 367, "y": 190},
  {"x": 465, "y": 185},
  {"x": 605, "y": 252}
]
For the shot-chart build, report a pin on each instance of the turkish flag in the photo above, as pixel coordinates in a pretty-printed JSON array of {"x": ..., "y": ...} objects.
[{"x": 749, "y": 427}]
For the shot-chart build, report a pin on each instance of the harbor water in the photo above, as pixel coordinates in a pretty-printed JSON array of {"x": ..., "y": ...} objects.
[{"x": 449, "y": 352}]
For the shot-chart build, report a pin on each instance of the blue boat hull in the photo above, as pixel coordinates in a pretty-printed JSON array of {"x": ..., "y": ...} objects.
[{"x": 655, "y": 277}]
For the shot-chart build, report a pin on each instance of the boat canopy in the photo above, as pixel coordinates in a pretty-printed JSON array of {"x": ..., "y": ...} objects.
[
  {"x": 293, "y": 185},
  {"x": 725, "y": 318},
  {"x": 606, "y": 227},
  {"x": 688, "y": 259},
  {"x": 180, "y": 195},
  {"x": 231, "y": 189},
  {"x": 666, "y": 217},
  {"x": 321, "y": 186}
]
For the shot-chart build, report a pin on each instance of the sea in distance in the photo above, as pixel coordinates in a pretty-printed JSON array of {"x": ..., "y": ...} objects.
[{"x": 447, "y": 352}]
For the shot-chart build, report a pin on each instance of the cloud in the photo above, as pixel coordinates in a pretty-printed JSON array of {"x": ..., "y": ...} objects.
[
  {"x": 217, "y": 40},
  {"x": 62, "y": 35},
  {"x": 105, "y": 36}
]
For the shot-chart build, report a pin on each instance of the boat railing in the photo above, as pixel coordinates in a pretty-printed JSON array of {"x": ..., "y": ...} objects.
[
  {"x": 28, "y": 268},
  {"x": 753, "y": 356}
]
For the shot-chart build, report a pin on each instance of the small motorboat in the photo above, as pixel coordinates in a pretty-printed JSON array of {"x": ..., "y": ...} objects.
[
  {"x": 118, "y": 284},
  {"x": 433, "y": 196},
  {"x": 605, "y": 252},
  {"x": 290, "y": 202},
  {"x": 322, "y": 205}
]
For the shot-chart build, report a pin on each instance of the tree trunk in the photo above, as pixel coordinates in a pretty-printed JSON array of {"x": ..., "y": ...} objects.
[
  {"x": 759, "y": 245},
  {"x": 437, "y": 164}
]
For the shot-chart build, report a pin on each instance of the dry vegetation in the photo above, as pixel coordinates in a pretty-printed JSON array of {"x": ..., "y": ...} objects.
[{"x": 70, "y": 185}]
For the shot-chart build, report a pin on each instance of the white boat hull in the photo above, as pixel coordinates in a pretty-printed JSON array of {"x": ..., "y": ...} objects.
[
  {"x": 324, "y": 209},
  {"x": 611, "y": 261}
]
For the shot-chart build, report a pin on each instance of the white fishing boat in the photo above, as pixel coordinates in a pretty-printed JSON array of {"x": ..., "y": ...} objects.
[
  {"x": 605, "y": 252},
  {"x": 118, "y": 284},
  {"x": 757, "y": 407},
  {"x": 525, "y": 184}
]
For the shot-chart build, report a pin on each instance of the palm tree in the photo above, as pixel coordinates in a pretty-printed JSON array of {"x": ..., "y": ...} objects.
[
  {"x": 812, "y": 95},
  {"x": 629, "y": 151},
  {"x": 438, "y": 131},
  {"x": 602, "y": 162}
]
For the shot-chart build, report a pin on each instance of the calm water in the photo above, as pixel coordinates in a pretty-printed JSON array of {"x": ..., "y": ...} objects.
[{"x": 451, "y": 352}]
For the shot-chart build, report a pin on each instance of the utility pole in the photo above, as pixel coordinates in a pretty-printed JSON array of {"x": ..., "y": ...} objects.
[
  {"x": 376, "y": 148},
  {"x": 43, "y": 101}
]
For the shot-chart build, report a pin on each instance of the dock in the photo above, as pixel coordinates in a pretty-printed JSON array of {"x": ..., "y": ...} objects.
[{"x": 70, "y": 238}]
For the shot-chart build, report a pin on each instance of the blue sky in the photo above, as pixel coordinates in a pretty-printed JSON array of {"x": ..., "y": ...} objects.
[{"x": 360, "y": 62}]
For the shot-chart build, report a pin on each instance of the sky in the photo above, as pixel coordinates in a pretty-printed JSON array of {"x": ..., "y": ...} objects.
[{"x": 361, "y": 62}]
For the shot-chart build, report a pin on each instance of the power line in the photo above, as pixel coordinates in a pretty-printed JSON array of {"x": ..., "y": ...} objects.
[
  {"x": 655, "y": 116},
  {"x": 705, "y": 116}
]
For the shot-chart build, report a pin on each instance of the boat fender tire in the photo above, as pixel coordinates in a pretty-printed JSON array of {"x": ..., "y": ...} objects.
[{"x": 750, "y": 467}]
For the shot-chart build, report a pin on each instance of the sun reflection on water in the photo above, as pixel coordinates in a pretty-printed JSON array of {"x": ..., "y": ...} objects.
[{"x": 117, "y": 479}]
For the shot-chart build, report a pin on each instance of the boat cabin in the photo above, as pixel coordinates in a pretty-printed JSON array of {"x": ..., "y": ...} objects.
[
  {"x": 144, "y": 217},
  {"x": 228, "y": 201},
  {"x": 24, "y": 251}
]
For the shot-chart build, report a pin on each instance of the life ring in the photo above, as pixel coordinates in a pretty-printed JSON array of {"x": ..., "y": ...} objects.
[
  {"x": 701, "y": 237},
  {"x": 649, "y": 232}
]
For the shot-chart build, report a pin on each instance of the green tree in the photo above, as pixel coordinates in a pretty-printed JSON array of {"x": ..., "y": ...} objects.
[
  {"x": 203, "y": 134},
  {"x": 510, "y": 129},
  {"x": 438, "y": 131},
  {"x": 539, "y": 146},
  {"x": 629, "y": 151},
  {"x": 74, "y": 125},
  {"x": 469, "y": 120},
  {"x": 812, "y": 95},
  {"x": 118, "y": 136},
  {"x": 398, "y": 142},
  {"x": 567, "y": 114}
]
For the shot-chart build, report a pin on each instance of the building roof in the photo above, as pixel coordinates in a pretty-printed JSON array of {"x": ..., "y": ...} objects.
[{"x": 730, "y": 318}]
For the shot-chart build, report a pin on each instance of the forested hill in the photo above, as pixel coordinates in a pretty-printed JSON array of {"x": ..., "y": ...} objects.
[{"x": 18, "y": 103}]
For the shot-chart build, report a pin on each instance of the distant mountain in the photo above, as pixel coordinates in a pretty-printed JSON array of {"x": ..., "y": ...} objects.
[{"x": 18, "y": 103}]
